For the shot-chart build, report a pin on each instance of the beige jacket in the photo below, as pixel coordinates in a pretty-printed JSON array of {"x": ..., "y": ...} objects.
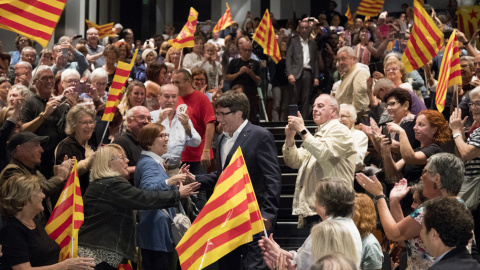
[{"x": 353, "y": 88}]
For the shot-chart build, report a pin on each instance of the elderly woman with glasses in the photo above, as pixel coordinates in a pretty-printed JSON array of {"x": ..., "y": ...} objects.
[
  {"x": 79, "y": 130},
  {"x": 212, "y": 67},
  {"x": 154, "y": 229},
  {"x": 442, "y": 177},
  {"x": 108, "y": 231}
]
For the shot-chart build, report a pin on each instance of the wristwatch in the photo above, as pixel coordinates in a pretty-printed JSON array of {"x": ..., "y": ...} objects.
[
  {"x": 376, "y": 198},
  {"x": 465, "y": 43},
  {"x": 303, "y": 132},
  {"x": 456, "y": 135}
]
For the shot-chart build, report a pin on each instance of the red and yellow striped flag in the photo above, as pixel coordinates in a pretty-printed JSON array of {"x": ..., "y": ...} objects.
[
  {"x": 67, "y": 217},
  {"x": 224, "y": 22},
  {"x": 229, "y": 219},
  {"x": 450, "y": 73},
  {"x": 265, "y": 36},
  {"x": 424, "y": 42},
  {"x": 118, "y": 87},
  {"x": 348, "y": 14},
  {"x": 35, "y": 19},
  {"x": 185, "y": 37},
  {"x": 468, "y": 20},
  {"x": 104, "y": 30},
  {"x": 370, "y": 7}
]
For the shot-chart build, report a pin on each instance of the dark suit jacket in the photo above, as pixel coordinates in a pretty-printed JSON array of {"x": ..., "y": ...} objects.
[
  {"x": 458, "y": 258},
  {"x": 260, "y": 154},
  {"x": 295, "y": 58}
]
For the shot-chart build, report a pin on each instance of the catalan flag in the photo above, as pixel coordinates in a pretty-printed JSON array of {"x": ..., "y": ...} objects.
[
  {"x": 450, "y": 73},
  {"x": 370, "y": 7},
  {"x": 265, "y": 36},
  {"x": 424, "y": 42},
  {"x": 104, "y": 30},
  {"x": 224, "y": 22},
  {"x": 348, "y": 14},
  {"x": 468, "y": 20},
  {"x": 35, "y": 19},
  {"x": 185, "y": 37},
  {"x": 229, "y": 219},
  {"x": 67, "y": 217},
  {"x": 118, "y": 87}
]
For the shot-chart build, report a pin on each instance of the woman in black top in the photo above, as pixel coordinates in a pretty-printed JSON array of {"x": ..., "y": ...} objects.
[{"x": 25, "y": 242}]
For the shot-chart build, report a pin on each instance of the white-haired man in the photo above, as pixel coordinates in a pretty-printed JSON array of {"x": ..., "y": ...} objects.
[
  {"x": 330, "y": 152},
  {"x": 353, "y": 86},
  {"x": 348, "y": 117}
]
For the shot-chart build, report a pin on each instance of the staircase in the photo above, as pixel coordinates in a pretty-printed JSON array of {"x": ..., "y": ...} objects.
[{"x": 287, "y": 235}]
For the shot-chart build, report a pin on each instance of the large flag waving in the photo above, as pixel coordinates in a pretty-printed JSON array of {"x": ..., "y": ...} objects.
[
  {"x": 104, "y": 30},
  {"x": 35, "y": 19},
  {"x": 424, "y": 42},
  {"x": 185, "y": 37},
  {"x": 265, "y": 36},
  {"x": 450, "y": 73},
  {"x": 348, "y": 14},
  {"x": 224, "y": 22},
  {"x": 67, "y": 217},
  {"x": 118, "y": 87},
  {"x": 468, "y": 20},
  {"x": 370, "y": 7},
  {"x": 229, "y": 219}
]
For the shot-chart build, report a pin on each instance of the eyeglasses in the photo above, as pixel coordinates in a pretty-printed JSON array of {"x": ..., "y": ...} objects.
[
  {"x": 47, "y": 78},
  {"x": 91, "y": 123},
  {"x": 100, "y": 84},
  {"x": 392, "y": 69},
  {"x": 143, "y": 118},
  {"x": 199, "y": 80},
  {"x": 124, "y": 158},
  {"x": 391, "y": 104},
  {"x": 424, "y": 171},
  {"x": 163, "y": 136},
  {"x": 72, "y": 81},
  {"x": 222, "y": 114},
  {"x": 475, "y": 104}
]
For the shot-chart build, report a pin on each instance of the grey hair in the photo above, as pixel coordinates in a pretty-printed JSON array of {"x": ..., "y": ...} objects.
[
  {"x": 351, "y": 109},
  {"x": 68, "y": 72},
  {"x": 63, "y": 39},
  {"x": 334, "y": 103},
  {"x": 132, "y": 110},
  {"x": 384, "y": 83},
  {"x": 74, "y": 115},
  {"x": 25, "y": 64},
  {"x": 475, "y": 92},
  {"x": 22, "y": 90},
  {"x": 394, "y": 54},
  {"x": 451, "y": 171},
  {"x": 28, "y": 48},
  {"x": 346, "y": 49},
  {"x": 40, "y": 69},
  {"x": 117, "y": 25},
  {"x": 470, "y": 60},
  {"x": 146, "y": 52},
  {"x": 98, "y": 74}
]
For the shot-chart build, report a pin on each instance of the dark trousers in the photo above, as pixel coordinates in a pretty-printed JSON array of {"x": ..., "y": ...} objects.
[
  {"x": 303, "y": 89},
  {"x": 152, "y": 259}
]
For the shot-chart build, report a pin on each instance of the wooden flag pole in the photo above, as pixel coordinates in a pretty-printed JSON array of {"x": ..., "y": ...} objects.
[
  {"x": 71, "y": 254},
  {"x": 181, "y": 56},
  {"x": 455, "y": 91}
]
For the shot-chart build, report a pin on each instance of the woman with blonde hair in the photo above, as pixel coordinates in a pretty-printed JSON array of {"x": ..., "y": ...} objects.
[
  {"x": 173, "y": 56},
  {"x": 134, "y": 96},
  {"x": 331, "y": 236},
  {"x": 365, "y": 218}
]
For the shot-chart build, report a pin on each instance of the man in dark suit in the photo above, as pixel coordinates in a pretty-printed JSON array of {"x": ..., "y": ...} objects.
[
  {"x": 446, "y": 229},
  {"x": 260, "y": 156},
  {"x": 302, "y": 67}
]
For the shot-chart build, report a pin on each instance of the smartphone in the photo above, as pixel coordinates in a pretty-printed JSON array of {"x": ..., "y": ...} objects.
[
  {"x": 250, "y": 65},
  {"x": 82, "y": 88},
  {"x": 293, "y": 110},
  {"x": 64, "y": 52},
  {"x": 399, "y": 35},
  {"x": 385, "y": 132}
]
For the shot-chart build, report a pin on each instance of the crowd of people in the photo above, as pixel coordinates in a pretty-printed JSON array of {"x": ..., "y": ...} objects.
[{"x": 383, "y": 161}]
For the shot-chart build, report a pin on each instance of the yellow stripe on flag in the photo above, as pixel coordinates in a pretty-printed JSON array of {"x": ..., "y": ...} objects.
[
  {"x": 224, "y": 22},
  {"x": 185, "y": 37},
  {"x": 265, "y": 36}
]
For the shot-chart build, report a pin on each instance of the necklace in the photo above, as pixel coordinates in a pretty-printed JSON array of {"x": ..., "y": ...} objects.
[{"x": 29, "y": 226}]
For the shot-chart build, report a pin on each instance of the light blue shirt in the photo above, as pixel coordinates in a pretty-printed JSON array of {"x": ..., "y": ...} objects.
[{"x": 178, "y": 138}]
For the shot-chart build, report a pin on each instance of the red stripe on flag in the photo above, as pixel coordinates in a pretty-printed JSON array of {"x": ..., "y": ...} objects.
[
  {"x": 470, "y": 27},
  {"x": 216, "y": 242},
  {"x": 122, "y": 72},
  {"x": 117, "y": 85},
  {"x": 229, "y": 215},
  {"x": 109, "y": 110},
  {"x": 230, "y": 170},
  {"x": 44, "y": 7},
  {"x": 428, "y": 27},
  {"x": 28, "y": 15},
  {"x": 60, "y": 229},
  {"x": 62, "y": 207},
  {"x": 25, "y": 29},
  {"x": 255, "y": 216}
]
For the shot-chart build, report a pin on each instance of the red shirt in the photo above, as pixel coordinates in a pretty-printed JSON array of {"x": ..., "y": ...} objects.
[{"x": 200, "y": 111}]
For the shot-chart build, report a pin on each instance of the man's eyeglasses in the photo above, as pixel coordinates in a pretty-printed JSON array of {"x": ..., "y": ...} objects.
[
  {"x": 143, "y": 118},
  {"x": 222, "y": 114},
  {"x": 47, "y": 78},
  {"x": 475, "y": 104}
]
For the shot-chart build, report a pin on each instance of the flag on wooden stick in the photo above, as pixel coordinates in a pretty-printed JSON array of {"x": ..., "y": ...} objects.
[
  {"x": 67, "y": 217},
  {"x": 35, "y": 19},
  {"x": 424, "y": 42},
  {"x": 229, "y": 219},
  {"x": 265, "y": 36},
  {"x": 185, "y": 37},
  {"x": 224, "y": 22}
]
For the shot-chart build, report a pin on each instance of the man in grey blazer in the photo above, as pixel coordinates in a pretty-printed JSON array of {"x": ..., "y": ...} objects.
[{"x": 302, "y": 67}]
